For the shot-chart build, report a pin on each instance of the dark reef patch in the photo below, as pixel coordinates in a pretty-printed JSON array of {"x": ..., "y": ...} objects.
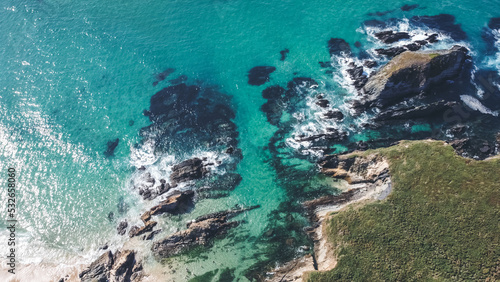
[
  {"x": 408, "y": 7},
  {"x": 161, "y": 76},
  {"x": 284, "y": 53},
  {"x": 338, "y": 46},
  {"x": 111, "y": 146},
  {"x": 259, "y": 75},
  {"x": 442, "y": 22}
]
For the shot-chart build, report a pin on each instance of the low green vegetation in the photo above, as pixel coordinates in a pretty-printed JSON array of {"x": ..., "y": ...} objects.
[
  {"x": 441, "y": 221},
  {"x": 433, "y": 55}
]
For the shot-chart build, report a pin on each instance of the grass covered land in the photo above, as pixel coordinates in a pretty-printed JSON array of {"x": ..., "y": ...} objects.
[{"x": 441, "y": 221}]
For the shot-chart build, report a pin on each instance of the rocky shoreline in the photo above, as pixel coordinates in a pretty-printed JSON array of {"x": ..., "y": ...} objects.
[{"x": 367, "y": 179}]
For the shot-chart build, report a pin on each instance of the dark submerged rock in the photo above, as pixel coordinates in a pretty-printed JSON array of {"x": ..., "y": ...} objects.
[
  {"x": 111, "y": 147},
  {"x": 380, "y": 14},
  {"x": 161, "y": 76},
  {"x": 433, "y": 38},
  {"x": 375, "y": 23},
  {"x": 407, "y": 7},
  {"x": 259, "y": 75},
  {"x": 273, "y": 92},
  {"x": 181, "y": 79},
  {"x": 199, "y": 232},
  {"x": 284, "y": 53},
  {"x": 442, "y": 22},
  {"x": 325, "y": 64},
  {"x": 338, "y": 46},
  {"x": 273, "y": 110},
  {"x": 489, "y": 80}
]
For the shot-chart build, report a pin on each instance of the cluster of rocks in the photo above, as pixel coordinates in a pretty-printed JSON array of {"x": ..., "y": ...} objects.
[
  {"x": 183, "y": 119},
  {"x": 188, "y": 170},
  {"x": 119, "y": 267},
  {"x": 179, "y": 202},
  {"x": 364, "y": 174},
  {"x": 199, "y": 232}
]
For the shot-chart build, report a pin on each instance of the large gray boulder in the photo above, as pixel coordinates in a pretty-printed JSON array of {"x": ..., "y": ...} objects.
[{"x": 412, "y": 73}]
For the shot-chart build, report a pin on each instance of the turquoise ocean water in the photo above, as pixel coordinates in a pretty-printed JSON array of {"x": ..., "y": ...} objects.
[{"x": 74, "y": 74}]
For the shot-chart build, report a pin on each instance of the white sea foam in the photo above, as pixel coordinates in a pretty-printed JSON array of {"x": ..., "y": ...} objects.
[{"x": 476, "y": 105}]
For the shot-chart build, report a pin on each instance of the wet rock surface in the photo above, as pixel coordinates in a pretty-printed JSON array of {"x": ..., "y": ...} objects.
[
  {"x": 188, "y": 170},
  {"x": 390, "y": 36},
  {"x": 137, "y": 231},
  {"x": 179, "y": 202},
  {"x": 411, "y": 73},
  {"x": 200, "y": 232},
  {"x": 120, "y": 267}
]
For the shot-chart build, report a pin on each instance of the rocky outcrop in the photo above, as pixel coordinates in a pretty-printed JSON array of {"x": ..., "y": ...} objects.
[
  {"x": 199, "y": 232},
  {"x": 176, "y": 203},
  {"x": 228, "y": 214},
  {"x": 136, "y": 230},
  {"x": 412, "y": 73},
  {"x": 334, "y": 114},
  {"x": 122, "y": 227},
  {"x": 358, "y": 76},
  {"x": 389, "y": 36},
  {"x": 355, "y": 169},
  {"x": 414, "y": 112},
  {"x": 121, "y": 267},
  {"x": 99, "y": 269},
  {"x": 188, "y": 170}
]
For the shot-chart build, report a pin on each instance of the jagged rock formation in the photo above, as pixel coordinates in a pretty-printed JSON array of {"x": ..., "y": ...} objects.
[
  {"x": 120, "y": 267},
  {"x": 412, "y": 73},
  {"x": 199, "y": 232}
]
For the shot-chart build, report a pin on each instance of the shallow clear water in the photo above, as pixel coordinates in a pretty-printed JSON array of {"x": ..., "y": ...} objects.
[{"x": 75, "y": 73}]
